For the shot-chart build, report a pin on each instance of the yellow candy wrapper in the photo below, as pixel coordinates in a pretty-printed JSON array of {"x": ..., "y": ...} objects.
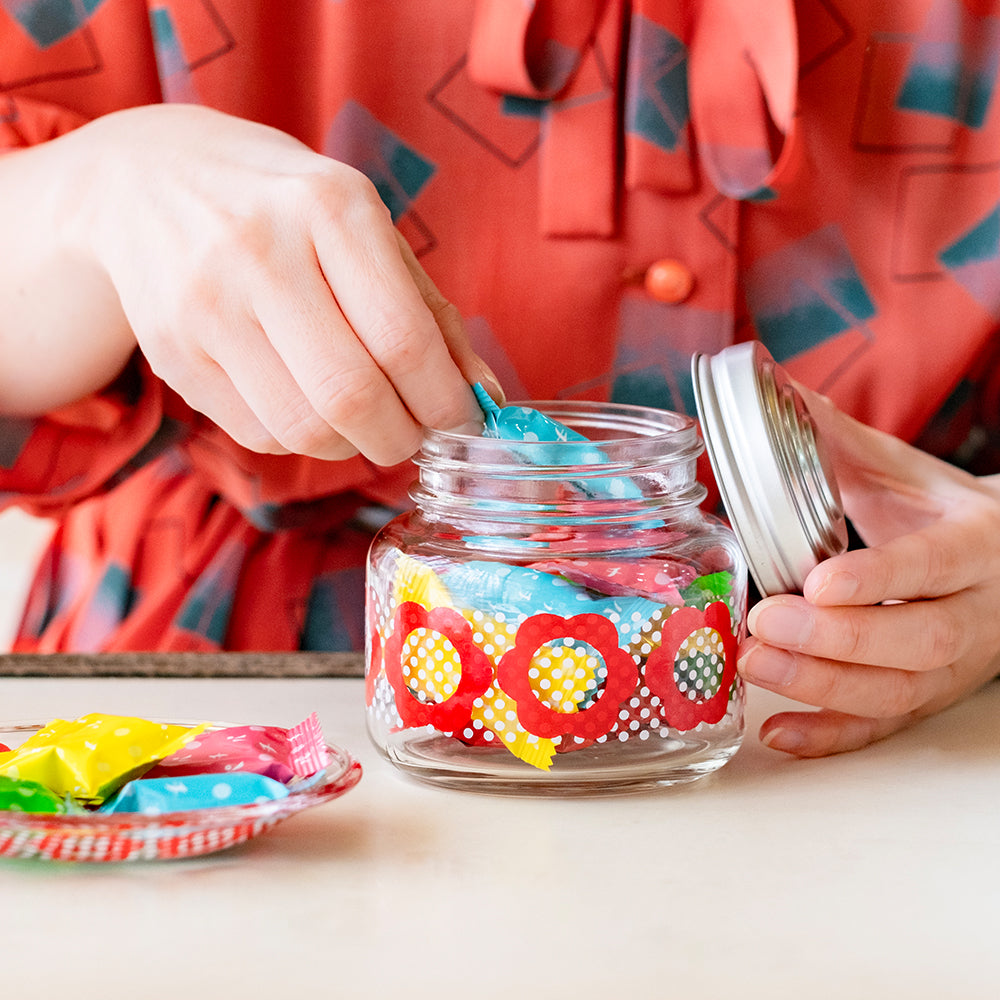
[{"x": 91, "y": 757}]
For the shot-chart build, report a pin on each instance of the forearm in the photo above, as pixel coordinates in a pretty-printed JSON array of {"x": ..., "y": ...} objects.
[{"x": 63, "y": 334}]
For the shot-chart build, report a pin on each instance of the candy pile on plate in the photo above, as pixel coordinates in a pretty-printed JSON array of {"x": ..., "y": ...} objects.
[{"x": 110, "y": 764}]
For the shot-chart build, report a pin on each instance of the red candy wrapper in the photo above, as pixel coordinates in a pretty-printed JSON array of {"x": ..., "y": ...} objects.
[{"x": 281, "y": 754}]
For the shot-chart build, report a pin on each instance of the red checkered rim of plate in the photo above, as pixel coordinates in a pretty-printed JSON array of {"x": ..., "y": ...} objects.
[{"x": 134, "y": 837}]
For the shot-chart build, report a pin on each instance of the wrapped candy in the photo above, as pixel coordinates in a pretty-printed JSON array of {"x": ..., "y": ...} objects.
[
  {"x": 156, "y": 796},
  {"x": 280, "y": 754},
  {"x": 94, "y": 755},
  {"x": 658, "y": 579},
  {"x": 519, "y": 592},
  {"x": 522, "y": 423},
  {"x": 29, "y": 797}
]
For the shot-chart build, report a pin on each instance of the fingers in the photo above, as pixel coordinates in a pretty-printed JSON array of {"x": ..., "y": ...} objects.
[
  {"x": 360, "y": 258},
  {"x": 213, "y": 394},
  {"x": 871, "y": 670},
  {"x": 929, "y": 562},
  {"x": 919, "y": 635},
  {"x": 449, "y": 321},
  {"x": 856, "y": 689},
  {"x": 323, "y": 385},
  {"x": 820, "y": 734},
  {"x": 325, "y": 395}
]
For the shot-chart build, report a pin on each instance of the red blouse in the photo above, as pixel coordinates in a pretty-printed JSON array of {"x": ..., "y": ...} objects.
[{"x": 821, "y": 175}]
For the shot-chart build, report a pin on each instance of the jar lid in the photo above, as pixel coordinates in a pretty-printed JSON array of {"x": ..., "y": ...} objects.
[{"x": 774, "y": 477}]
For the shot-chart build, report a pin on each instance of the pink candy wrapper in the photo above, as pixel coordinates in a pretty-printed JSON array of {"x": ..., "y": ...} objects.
[
  {"x": 657, "y": 579},
  {"x": 281, "y": 754}
]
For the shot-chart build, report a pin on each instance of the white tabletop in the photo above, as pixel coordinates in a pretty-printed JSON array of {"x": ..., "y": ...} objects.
[{"x": 873, "y": 874}]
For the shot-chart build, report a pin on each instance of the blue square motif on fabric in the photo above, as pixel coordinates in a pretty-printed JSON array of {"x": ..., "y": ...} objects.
[
  {"x": 397, "y": 170},
  {"x": 50, "y": 21},
  {"x": 656, "y": 104},
  {"x": 974, "y": 261},
  {"x": 953, "y": 70},
  {"x": 806, "y": 293}
]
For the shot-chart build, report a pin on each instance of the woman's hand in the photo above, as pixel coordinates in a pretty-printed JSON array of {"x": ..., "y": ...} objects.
[
  {"x": 886, "y": 635},
  {"x": 265, "y": 283}
]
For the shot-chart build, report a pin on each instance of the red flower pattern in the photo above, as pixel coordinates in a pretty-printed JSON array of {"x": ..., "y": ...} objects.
[
  {"x": 453, "y": 713},
  {"x": 538, "y": 718},
  {"x": 679, "y": 710}
]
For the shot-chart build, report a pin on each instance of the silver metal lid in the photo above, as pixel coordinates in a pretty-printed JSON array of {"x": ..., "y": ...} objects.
[{"x": 775, "y": 480}]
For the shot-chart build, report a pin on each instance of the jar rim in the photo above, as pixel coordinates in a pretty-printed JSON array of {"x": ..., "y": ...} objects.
[{"x": 624, "y": 432}]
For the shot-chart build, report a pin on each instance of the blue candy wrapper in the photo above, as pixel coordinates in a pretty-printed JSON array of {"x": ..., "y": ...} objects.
[
  {"x": 518, "y": 593},
  {"x": 521, "y": 423},
  {"x": 155, "y": 796}
]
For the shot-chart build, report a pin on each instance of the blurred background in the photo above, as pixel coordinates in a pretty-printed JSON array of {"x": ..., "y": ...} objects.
[{"x": 21, "y": 541}]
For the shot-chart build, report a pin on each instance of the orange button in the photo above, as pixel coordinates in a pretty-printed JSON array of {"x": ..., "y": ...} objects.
[{"x": 668, "y": 281}]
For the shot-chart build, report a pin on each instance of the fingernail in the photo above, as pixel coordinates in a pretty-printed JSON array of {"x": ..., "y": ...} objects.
[
  {"x": 787, "y": 740},
  {"x": 490, "y": 382},
  {"x": 767, "y": 666},
  {"x": 836, "y": 588},
  {"x": 471, "y": 428},
  {"x": 782, "y": 624}
]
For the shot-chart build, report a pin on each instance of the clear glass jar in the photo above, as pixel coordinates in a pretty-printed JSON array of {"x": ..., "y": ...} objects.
[{"x": 558, "y": 618}]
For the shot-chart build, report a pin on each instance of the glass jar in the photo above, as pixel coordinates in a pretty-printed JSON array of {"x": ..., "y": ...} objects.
[{"x": 558, "y": 617}]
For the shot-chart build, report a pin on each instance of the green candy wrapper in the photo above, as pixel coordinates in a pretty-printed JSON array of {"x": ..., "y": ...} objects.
[{"x": 29, "y": 797}]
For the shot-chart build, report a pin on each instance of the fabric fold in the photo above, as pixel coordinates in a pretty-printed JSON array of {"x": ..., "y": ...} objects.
[
  {"x": 566, "y": 57},
  {"x": 743, "y": 85}
]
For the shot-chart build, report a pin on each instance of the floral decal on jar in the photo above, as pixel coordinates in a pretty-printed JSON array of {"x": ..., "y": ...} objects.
[
  {"x": 679, "y": 709},
  {"x": 476, "y": 671},
  {"x": 513, "y": 675}
]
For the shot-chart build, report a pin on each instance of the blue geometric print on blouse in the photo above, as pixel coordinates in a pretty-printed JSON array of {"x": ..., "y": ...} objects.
[
  {"x": 974, "y": 261},
  {"x": 954, "y": 67},
  {"x": 208, "y": 607},
  {"x": 807, "y": 293},
  {"x": 334, "y": 623},
  {"x": 656, "y": 102},
  {"x": 981, "y": 243},
  {"x": 50, "y": 21},
  {"x": 169, "y": 57},
  {"x": 108, "y": 608},
  {"x": 515, "y": 106},
  {"x": 114, "y": 593},
  {"x": 397, "y": 170},
  {"x": 646, "y": 387}
]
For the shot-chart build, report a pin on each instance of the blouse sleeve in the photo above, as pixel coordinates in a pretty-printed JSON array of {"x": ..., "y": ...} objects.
[
  {"x": 25, "y": 121},
  {"x": 49, "y": 463}
]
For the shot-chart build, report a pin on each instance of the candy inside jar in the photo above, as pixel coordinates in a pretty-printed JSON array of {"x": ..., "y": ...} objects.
[{"x": 557, "y": 615}]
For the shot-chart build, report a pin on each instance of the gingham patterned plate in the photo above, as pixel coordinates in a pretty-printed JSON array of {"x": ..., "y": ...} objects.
[{"x": 134, "y": 837}]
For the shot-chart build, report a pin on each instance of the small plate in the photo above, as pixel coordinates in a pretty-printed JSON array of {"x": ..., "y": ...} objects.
[{"x": 135, "y": 837}]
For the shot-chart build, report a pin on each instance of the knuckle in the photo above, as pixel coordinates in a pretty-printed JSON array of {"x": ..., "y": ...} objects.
[
  {"x": 855, "y": 640},
  {"x": 937, "y": 563},
  {"x": 296, "y": 426},
  {"x": 345, "y": 398},
  {"x": 392, "y": 339},
  {"x": 899, "y": 695},
  {"x": 346, "y": 197},
  {"x": 304, "y": 435},
  {"x": 254, "y": 437},
  {"x": 945, "y": 638},
  {"x": 445, "y": 311}
]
